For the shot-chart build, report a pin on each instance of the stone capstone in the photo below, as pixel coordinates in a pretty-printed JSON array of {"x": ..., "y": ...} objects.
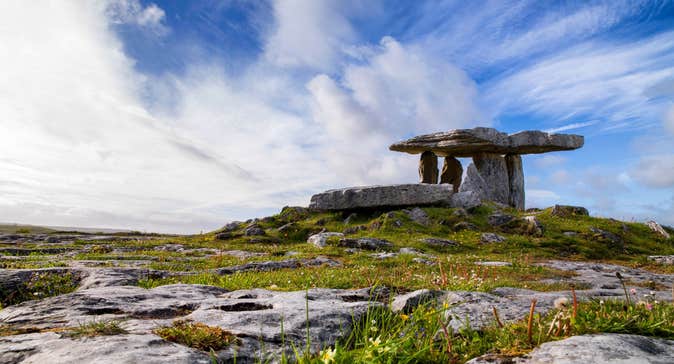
[
  {"x": 382, "y": 196},
  {"x": 428, "y": 168},
  {"x": 468, "y": 142},
  {"x": 452, "y": 172}
]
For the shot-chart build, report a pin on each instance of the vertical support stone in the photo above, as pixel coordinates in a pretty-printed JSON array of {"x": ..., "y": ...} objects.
[
  {"x": 492, "y": 168},
  {"x": 452, "y": 171},
  {"x": 428, "y": 168},
  {"x": 474, "y": 183},
  {"x": 515, "y": 180}
]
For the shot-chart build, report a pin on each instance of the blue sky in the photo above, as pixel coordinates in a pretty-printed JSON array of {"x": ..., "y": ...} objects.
[{"x": 177, "y": 116}]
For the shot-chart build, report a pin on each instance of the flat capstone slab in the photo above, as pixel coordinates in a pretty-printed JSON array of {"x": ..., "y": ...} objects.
[
  {"x": 468, "y": 142},
  {"x": 382, "y": 196}
]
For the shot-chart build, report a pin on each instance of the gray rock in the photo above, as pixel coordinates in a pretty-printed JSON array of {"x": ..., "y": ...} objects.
[
  {"x": 466, "y": 199},
  {"x": 662, "y": 259},
  {"x": 224, "y": 236},
  {"x": 354, "y": 229},
  {"x": 493, "y": 170},
  {"x": 593, "y": 349},
  {"x": 499, "y": 219},
  {"x": 349, "y": 219},
  {"x": 465, "y": 225},
  {"x": 287, "y": 227},
  {"x": 657, "y": 229},
  {"x": 320, "y": 239},
  {"x": 567, "y": 211},
  {"x": 254, "y": 230},
  {"x": 533, "y": 226},
  {"x": 606, "y": 237},
  {"x": 52, "y": 240},
  {"x": 428, "y": 168},
  {"x": 231, "y": 226},
  {"x": 475, "y": 184},
  {"x": 494, "y": 264},
  {"x": 408, "y": 302},
  {"x": 468, "y": 142},
  {"x": 516, "y": 181},
  {"x": 384, "y": 255},
  {"x": 452, "y": 172},
  {"x": 382, "y": 196},
  {"x": 418, "y": 215},
  {"x": 276, "y": 265},
  {"x": 491, "y": 238},
  {"x": 366, "y": 243},
  {"x": 440, "y": 242}
]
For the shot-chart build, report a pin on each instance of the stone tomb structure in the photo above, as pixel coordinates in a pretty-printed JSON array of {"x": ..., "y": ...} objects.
[{"x": 495, "y": 174}]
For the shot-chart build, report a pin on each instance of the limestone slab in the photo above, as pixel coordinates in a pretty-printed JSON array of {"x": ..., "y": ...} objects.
[{"x": 382, "y": 196}]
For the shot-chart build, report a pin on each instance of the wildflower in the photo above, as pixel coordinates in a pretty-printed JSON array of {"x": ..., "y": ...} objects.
[
  {"x": 601, "y": 302},
  {"x": 445, "y": 306},
  {"x": 649, "y": 306},
  {"x": 561, "y": 302},
  {"x": 375, "y": 342},
  {"x": 328, "y": 355},
  {"x": 374, "y": 322},
  {"x": 633, "y": 291},
  {"x": 404, "y": 317},
  {"x": 373, "y": 328}
]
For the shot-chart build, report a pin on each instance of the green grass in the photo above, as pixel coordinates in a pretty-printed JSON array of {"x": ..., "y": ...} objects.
[
  {"x": 196, "y": 335},
  {"x": 40, "y": 285},
  {"x": 97, "y": 328}
]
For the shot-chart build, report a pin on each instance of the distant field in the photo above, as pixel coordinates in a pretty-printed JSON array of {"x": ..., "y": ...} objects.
[{"x": 6, "y": 228}]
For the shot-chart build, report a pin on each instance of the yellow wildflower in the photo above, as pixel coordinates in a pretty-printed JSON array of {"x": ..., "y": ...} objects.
[
  {"x": 328, "y": 355},
  {"x": 404, "y": 317}
]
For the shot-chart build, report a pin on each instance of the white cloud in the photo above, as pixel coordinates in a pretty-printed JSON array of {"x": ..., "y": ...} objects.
[
  {"x": 655, "y": 171},
  {"x": 309, "y": 33},
  {"x": 541, "y": 198},
  {"x": 548, "y": 160},
  {"x": 132, "y": 12}
]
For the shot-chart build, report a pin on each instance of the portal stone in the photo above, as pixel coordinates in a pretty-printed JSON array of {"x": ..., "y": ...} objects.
[
  {"x": 492, "y": 168},
  {"x": 516, "y": 180},
  {"x": 452, "y": 171},
  {"x": 428, "y": 168}
]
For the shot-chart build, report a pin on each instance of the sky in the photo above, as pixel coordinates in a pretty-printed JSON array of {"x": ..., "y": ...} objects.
[{"x": 178, "y": 116}]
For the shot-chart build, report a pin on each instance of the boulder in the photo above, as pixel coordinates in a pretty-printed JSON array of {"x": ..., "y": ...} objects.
[
  {"x": 365, "y": 243},
  {"x": 418, "y": 215},
  {"x": 657, "y": 229},
  {"x": 468, "y": 142},
  {"x": 382, "y": 196},
  {"x": 466, "y": 200},
  {"x": 567, "y": 211},
  {"x": 408, "y": 302},
  {"x": 254, "y": 230},
  {"x": 452, "y": 171},
  {"x": 499, "y": 219},
  {"x": 428, "y": 168},
  {"x": 320, "y": 239},
  {"x": 493, "y": 170},
  {"x": 515, "y": 181},
  {"x": 491, "y": 238},
  {"x": 533, "y": 226},
  {"x": 440, "y": 242}
]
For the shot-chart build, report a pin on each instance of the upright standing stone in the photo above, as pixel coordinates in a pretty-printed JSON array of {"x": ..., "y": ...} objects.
[
  {"x": 452, "y": 172},
  {"x": 492, "y": 168},
  {"x": 516, "y": 180},
  {"x": 474, "y": 183},
  {"x": 428, "y": 168}
]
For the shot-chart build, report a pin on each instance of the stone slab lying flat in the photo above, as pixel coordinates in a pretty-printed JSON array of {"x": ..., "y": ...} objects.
[
  {"x": 382, "y": 196},
  {"x": 468, "y": 142}
]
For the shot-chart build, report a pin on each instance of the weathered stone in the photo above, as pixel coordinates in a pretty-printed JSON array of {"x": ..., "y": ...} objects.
[
  {"x": 657, "y": 229},
  {"x": 533, "y": 226},
  {"x": 567, "y": 211},
  {"x": 428, "y": 168},
  {"x": 452, "y": 171},
  {"x": 418, "y": 215},
  {"x": 224, "y": 235},
  {"x": 499, "y": 219},
  {"x": 408, "y": 302},
  {"x": 606, "y": 237},
  {"x": 254, "y": 230},
  {"x": 382, "y": 196},
  {"x": 468, "y": 142},
  {"x": 492, "y": 168},
  {"x": 593, "y": 349},
  {"x": 465, "y": 225},
  {"x": 465, "y": 200},
  {"x": 320, "y": 239},
  {"x": 515, "y": 181},
  {"x": 474, "y": 184},
  {"x": 491, "y": 238},
  {"x": 354, "y": 229},
  {"x": 366, "y": 243},
  {"x": 494, "y": 264},
  {"x": 662, "y": 259},
  {"x": 440, "y": 242},
  {"x": 276, "y": 265}
]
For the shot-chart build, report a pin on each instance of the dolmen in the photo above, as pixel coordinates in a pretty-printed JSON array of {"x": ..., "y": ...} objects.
[{"x": 495, "y": 174}]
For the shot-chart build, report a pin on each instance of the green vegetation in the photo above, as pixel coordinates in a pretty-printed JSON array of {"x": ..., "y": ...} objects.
[
  {"x": 196, "y": 335},
  {"x": 424, "y": 335},
  {"x": 97, "y": 328},
  {"x": 40, "y": 285}
]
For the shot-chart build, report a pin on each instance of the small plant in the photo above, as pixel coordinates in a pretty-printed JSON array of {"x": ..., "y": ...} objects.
[
  {"x": 196, "y": 335},
  {"x": 97, "y": 328},
  {"x": 40, "y": 285}
]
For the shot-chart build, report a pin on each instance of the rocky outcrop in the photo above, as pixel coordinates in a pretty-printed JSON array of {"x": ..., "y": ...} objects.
[
  {"x": 566, "y": 211},
  {"x": 428, "y": 168},
  {"x": 657, "y": 229},
  {"x": 468, "y": 142},
  {"x": 452, "y": 172},
  {"x": 382, "y": 196},
  {"x": 320, "y": 239},
  {"x": 593, "y": 349}
]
